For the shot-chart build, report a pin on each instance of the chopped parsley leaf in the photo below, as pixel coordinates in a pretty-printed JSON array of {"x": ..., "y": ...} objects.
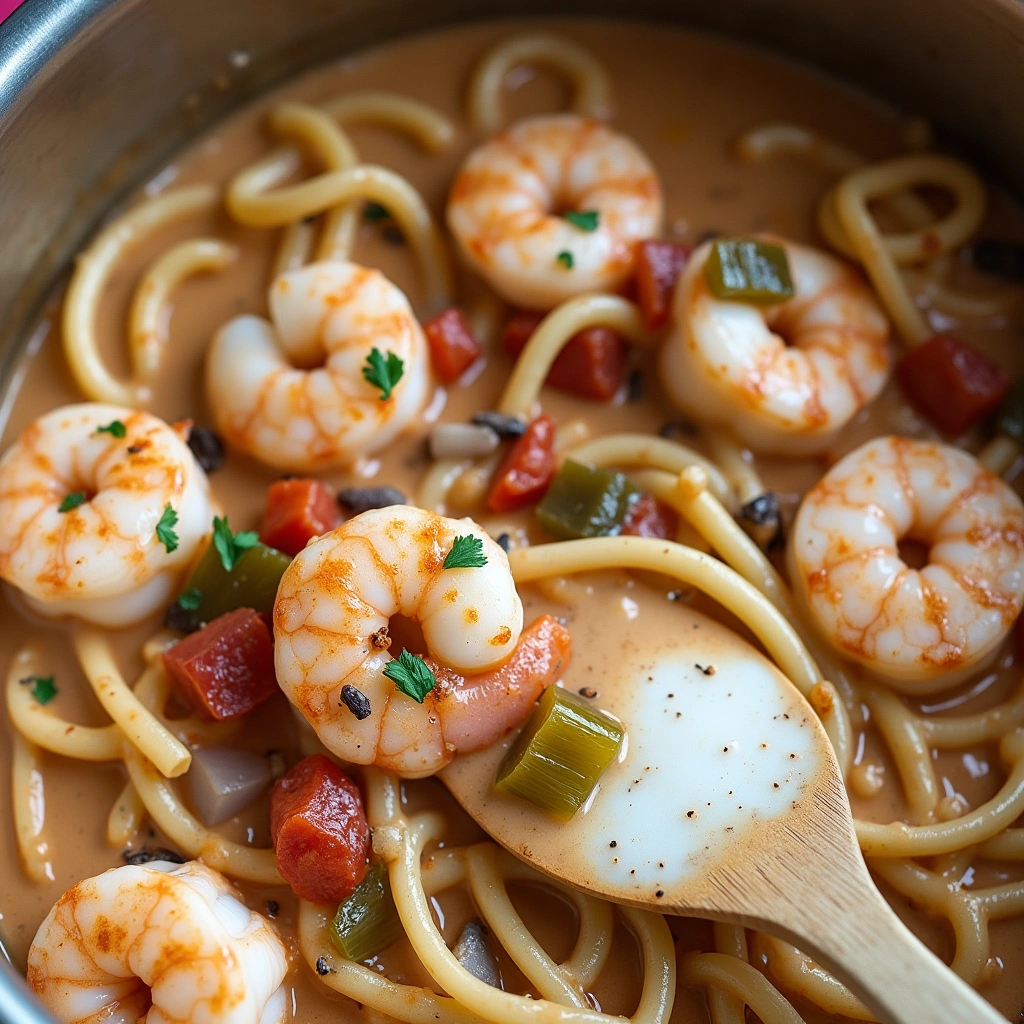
[
  {"x": 165, "y": 532},
  {"x": 42, "y": 688},
  {"x": 466, "y": 553},
  {"x": 585, "y": 220},
  {"x": 231, "y": 546},
  {"x": 565, "y": 258},
  {"x": 191, "y": 599},
  {"x": 71, "y": 501},
  {"x": 383, "y": 373},
  {"x": 411, "y": 675},
  {"x": 115, "y": 428}
]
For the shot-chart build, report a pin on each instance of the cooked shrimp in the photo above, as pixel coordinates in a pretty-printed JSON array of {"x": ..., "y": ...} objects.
[
  {"x": 785, "y": 378},
  {"x": 272, "y": 400},
  {"x": 923, "y": 629},
  {"x": 507, "y": 205},
  {"x": 101, "y": 559},
  {"x": 158, "y": 942},
  {"x": 331, "y": 630}
]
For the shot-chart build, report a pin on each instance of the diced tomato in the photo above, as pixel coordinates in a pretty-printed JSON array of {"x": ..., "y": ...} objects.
[
  {"x": 452, "y": 347},
  {"x": 527, "y": 469},
  {"x": 226, "y": 668},
  {"x": 540, "y": 657},
  {"x": 648, "y": 517},
  {"x": 658, "y": 265},
  {"x": 319, "y": 830},
  {"x": 952, "y": 383},
  {"x": 297, "y": 510},
  {"x": 591, "y": 364}
]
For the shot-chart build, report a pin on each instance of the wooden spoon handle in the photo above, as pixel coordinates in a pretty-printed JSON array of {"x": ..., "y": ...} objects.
[{"x": 872, "y": 951}]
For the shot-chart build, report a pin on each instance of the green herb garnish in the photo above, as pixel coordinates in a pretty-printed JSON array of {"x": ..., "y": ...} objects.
[
  {"x": 411, "y": 675},
  {"x": 374, "y": 212},
  {"x": 72, "y": 501},
  {"x": 231, "y": 546},
  {"x": 466, "y": 553},
  {"x": 585, "y": 220},
  {"x": 115, "y": 428},
  {"x": 165, "y": 532},
  {"x": 191, "y": 599},
  {"x": 565, "y": 258},
  {"x": 383, "y": 373},
  {"x": 42, "y": 688}
]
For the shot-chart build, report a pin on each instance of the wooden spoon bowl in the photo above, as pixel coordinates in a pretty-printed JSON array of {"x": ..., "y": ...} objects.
[{"x": 727, "y": 803}]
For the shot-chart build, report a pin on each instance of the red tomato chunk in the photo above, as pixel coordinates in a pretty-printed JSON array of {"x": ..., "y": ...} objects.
[
  {"x": 592, "y": 363},
  {"x": 297, "y": 510},
  {"x": 452, "y": 347},
  {"x": 952, "y": 383},
  {"x": 648, "y": 517},
  {"x": 658, "y": 265},
  {"x": 319, "y": 830},
  {"x": 226, "y": 668},
  {"x": 527, "y": 469}
]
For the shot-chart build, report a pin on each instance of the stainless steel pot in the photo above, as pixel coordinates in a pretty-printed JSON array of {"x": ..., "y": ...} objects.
[{"x": 95, "y": 93}]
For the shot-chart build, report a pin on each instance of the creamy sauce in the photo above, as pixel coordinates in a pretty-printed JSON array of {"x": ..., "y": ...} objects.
[
  {"x": 684, "y": 98},
  {"x": 718, "y": 743}
]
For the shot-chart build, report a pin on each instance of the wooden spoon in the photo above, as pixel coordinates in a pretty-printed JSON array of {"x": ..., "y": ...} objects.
[{"x": 727, "y": 804}]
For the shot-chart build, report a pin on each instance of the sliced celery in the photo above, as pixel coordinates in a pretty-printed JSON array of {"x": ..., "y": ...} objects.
[
  {"x": 585, "y": 502},
  {"x": 562, "y": 752},
  {"x": 748, "y": 270},
  {"x": 367, "y": 921},
  {"x": 252, "y": 583}
]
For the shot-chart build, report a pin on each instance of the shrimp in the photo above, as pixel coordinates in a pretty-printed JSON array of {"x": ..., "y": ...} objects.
[
  {"x": 82, "y": 493},
  {"x": 921, "y": 629},
  {"x": 158, "y": 942},
  {"x": 272, "y": 399},
  {"x": 331, "y": 631},
  {"x": 784, "y": 378},
  {"x": 507, "y": 209}
]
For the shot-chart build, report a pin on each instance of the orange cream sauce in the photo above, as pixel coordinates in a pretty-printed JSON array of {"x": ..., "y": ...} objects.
[{"x": 684, "y": 98}]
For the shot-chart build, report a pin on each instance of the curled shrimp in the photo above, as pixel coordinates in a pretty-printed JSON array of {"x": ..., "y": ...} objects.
[
  {"x": 82, "y": 493},
  {"x": 922, "y": 629},
  {"x": 291, "y": 391},
  {"x": 331, "y": 631},
  {"x": 157, "y": 942},
  {"x": 507, "y": 202},
  {"x": 784, "y": 378}
]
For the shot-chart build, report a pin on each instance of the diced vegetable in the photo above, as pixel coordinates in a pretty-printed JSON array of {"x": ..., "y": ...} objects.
[
  {"x": 1000, "y": 258},
  {"x": 252, "y": 583},
  {"x": 319, "y": 831},
  {"x": 561, "y": 754},
  {"x": 648, "y": 517},
  {"x": 508, "y": 428},
  {"x": 658, "y": 265},
  {"x": 527, "y": 469},
  {"x": 473, "y": 951},
  {"x": 591, "y": 364},
  {"x": 952, "y": 383},
  {"x": 452, "y": 347},
  {"x": 761, "y": 517},
  {"x": 461, "y": 441},
  {"x": 297, "y": 510},
  {"x": 223, "y": 780},
  {"x": 540, "y": 657},
  {"x": 748, "y": 270},
  {"x": 207, "y": 447},
  {"x": 367, "y": 922},
  {"x": 362, "y": 499},
  {"x": 226, "y": 668},
  {"x": 585, "y": 502},
  {"x": 1011, "y": 413}
]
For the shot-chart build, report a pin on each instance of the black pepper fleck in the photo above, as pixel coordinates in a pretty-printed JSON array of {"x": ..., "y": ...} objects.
[
  {"x": 613, "y": 843},
  {"x": 146, "y": 855},
  {"x": 504, "y": 542},
  {"x": 207, "y": 447},
  {"x": 587, "y": 691},
  {"x": 273, "y": 909},
  {"x": 322, "y": 966},
  {"x": 362, "y": 499},
  {"x": 635, "y": 386},
  {"x": 356, "y": 701},
  {"x": 660, "y": 893}
]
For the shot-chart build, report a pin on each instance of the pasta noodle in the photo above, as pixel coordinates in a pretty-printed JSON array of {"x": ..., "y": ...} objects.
[
  {"x": 554, "y": 331},
  {"x": 592, "y": 91},
  {"x": 28, "y": 801},
  {"x": 93, "y": 271}
]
